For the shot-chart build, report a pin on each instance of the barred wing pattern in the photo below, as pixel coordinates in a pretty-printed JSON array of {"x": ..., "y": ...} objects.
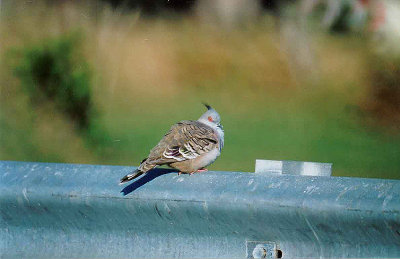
[{"x": 185, "y": 140}]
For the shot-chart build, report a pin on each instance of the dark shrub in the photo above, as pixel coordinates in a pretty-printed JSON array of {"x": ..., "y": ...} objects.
[
  {"x": 53, "y": 70},
  {"x": 384, "y": 101}
]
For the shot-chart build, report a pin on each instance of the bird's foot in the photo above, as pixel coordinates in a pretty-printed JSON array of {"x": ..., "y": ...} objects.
[
  {"x": 199, "y": 171},
  {"x": 202, "y": 170},
  {"x": 179, "y": 173}
]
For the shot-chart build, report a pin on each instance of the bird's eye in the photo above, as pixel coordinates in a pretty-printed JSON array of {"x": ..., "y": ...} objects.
[{"x": 210, "y": 119}]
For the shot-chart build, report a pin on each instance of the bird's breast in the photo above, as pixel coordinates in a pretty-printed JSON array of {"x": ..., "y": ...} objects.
[{"x": 208, "y": 158}]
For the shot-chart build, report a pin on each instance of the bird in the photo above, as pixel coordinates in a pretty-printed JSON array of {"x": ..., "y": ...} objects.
[{"x": 189, "y": 146}]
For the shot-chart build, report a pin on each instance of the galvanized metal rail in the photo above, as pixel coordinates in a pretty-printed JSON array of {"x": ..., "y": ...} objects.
[{"x": 77, "y": 211}]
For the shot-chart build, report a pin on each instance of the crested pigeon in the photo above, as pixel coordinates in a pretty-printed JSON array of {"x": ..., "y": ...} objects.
[{"x": 189, "y": 146}]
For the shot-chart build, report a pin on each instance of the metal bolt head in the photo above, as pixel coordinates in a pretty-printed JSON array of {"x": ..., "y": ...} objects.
[
  {"x": 259, "y": 252},
  {"x": 259, "y": 249}
]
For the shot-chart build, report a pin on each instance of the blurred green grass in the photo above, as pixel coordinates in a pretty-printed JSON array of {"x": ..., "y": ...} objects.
[{"x": 149, "y": 74}]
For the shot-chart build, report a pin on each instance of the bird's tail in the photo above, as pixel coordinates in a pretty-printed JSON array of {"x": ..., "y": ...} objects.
[{"x": 131, "y": 176}]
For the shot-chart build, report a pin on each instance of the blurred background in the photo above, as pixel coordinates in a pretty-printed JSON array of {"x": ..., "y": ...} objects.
[{"x": 100, "y": 82}]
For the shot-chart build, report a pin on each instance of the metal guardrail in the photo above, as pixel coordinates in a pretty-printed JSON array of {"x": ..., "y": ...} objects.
[{"x": 77, "y": 211}]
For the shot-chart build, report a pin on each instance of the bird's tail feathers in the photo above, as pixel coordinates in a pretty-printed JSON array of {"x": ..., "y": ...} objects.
[{"x": 131, "y": 176}]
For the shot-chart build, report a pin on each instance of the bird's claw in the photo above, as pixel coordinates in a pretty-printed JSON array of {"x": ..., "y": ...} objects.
[
  {"x": 202, "y": 170},
  {"x": 197, "y": 171}
]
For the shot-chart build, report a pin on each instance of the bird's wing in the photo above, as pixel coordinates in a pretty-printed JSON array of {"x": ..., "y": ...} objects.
[{"x": 185, "y": 140}]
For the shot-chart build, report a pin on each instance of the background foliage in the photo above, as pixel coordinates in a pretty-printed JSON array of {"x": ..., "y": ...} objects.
[
  {"x": 51, "y": 71},
  {"x": 109, "y": 94}
]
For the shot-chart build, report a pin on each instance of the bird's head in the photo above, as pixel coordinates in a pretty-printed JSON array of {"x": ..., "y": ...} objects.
[{"x": 210, "y": 117}]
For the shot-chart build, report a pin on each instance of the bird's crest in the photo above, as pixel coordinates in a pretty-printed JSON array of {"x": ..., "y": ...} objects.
[{"x": 207, "y": 106}]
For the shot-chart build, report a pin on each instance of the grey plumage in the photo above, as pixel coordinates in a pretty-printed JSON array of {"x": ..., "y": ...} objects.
[{"x": 188, "y": 146}]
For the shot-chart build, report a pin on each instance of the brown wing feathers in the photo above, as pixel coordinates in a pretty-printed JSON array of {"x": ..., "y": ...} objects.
[{"x": 185, "y": 140}]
